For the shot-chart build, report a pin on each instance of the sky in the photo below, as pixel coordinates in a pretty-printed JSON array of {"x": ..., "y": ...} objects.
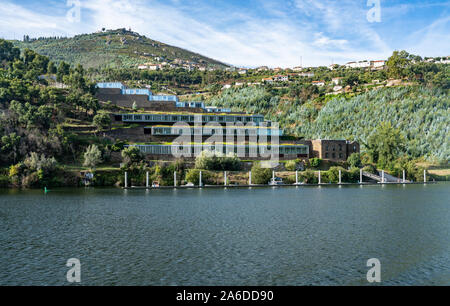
[{"x": 250, "y": 33}]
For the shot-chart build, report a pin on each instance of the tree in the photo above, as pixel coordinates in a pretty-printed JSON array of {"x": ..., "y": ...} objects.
[
  {"x": 10, "y": 145},
  {"x": 131, "y": 155},
  {"x": 8, "y": 53},
  {"x": 351, "y": 80},
  {"x": 261, "y": 175},
  {"x": 102, "y": 121},
  {"x": 354, "y": 160},
  {"x": 92, "y": 157},
  {"x": 89, "y": 103},
  {"x": 397, "y": 64},
  {"x": 51, "y": 68},
  {"x": 63, "y": 70},
  {"x": 385, "y": 144},
  {"x": 34, "y": 162},
  {"x": 315, "y": 162},
  {"x": 442, "y": 79},
  {"x": 291, "y": 165}
]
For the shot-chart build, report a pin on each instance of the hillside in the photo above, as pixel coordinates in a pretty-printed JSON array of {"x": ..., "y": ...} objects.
[
  {"x": 422, "y": 114},
  {"x": 115, "y": 48}
]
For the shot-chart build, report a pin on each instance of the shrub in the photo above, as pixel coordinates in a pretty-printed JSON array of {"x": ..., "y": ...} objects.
[
  {"x": 291, "y": 165},
  {"x": 92, "y": 156},
  {"x": 315, "y": 162},
  {"x": 102, "y": 121},
  {"x": 193, "y": 176},
  {"x": 370, "y": 169},
  {"x": 31, "y": 180},
  {"x": 354, "y": 160},
  {"x": 260, "y": 175},
  {"x": 107, "y": 178},
  {"x": 35, "y": 163},
  {"x": 333, "y": 174},
  {"x": 131, "y": 155},
  {"x": 309, "y": 177},
  {"x": 216, "y": 161}
]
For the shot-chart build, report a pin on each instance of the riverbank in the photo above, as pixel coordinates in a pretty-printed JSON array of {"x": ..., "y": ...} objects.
[
  {"x": 275, "y": 186},
  {"x": 110, "y": 176}
]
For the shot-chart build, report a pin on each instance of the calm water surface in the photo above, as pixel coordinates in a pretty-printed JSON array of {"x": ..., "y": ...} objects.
[{"x": 288, "y": 236}]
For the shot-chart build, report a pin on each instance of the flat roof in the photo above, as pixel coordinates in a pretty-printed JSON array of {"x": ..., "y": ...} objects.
[
  {"x": 214, "y": 126},
  {"x": 190, "y": 114},
  {"x": 215, "y": 143}
]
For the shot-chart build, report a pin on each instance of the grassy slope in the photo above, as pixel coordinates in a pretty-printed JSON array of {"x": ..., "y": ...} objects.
[{"x": 106, "y": 49}]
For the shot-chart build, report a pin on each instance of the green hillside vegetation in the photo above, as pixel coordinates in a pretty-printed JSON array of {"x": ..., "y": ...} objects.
[
  {"x": 112, "y": 48},
  {"x": 422, "y": 114},
  {"x": 51, "y": 123}
]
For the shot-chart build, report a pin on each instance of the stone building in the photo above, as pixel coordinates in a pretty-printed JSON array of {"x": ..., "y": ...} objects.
[{"x": 334, "y": 150}]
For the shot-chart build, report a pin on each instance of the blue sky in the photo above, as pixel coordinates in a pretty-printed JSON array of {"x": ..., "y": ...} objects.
[{"x": 251, "y": 33}]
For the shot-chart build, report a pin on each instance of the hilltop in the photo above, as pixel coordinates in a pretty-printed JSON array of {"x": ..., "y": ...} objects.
[{"x": 119, "y": 48}]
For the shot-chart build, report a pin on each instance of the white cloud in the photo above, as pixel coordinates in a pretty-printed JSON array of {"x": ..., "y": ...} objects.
[{"x": 323, "y": 41}]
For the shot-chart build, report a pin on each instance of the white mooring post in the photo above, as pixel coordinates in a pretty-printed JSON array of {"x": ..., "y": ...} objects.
[
  {"x": 404, "y": 176},
  {"x": 175, "y": 179},
  {"x": 126, "y": 179},
  {"x": 340, "y": 177},
  {"x": 273, "y": 176},
  {"x": 382, "y": 176},
  {"x": 424, "y": 176},
  {"x": 360, "y": 176},
  {"x": 296, "y": 177},
  {"x": 225, "y": 178},
  {"x": 147, "y": 180},
  {"x": 200, "y": 180},
  {"x": 250, "y": 178},
  {"x": 320, "y": 177}
]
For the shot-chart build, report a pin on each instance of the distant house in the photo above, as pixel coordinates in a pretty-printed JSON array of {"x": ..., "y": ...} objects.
[
  {"x": 336, "y": 81},
  {"x": 281, "y": 78},
  {"x": 262, "y": 68},
  {"x": 298, "y": 68},
  {"x": 377, "y": 64},
  {"x": 278, "y": 69},
  {"x": 306, "y": 74},
  {"x": 267, "y": 80},
  {"x": 318, "y": 83},
  {"x": 154, "y": 67},
  {"x": 242, "y": 71},
  {"x": 360, "y": 64},
  {"x": 226, "y": 86},
  {"x": 445, "y": 60}
]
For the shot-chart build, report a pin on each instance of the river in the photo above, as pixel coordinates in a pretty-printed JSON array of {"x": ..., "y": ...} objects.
[{"x": 272, "y": 236}]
